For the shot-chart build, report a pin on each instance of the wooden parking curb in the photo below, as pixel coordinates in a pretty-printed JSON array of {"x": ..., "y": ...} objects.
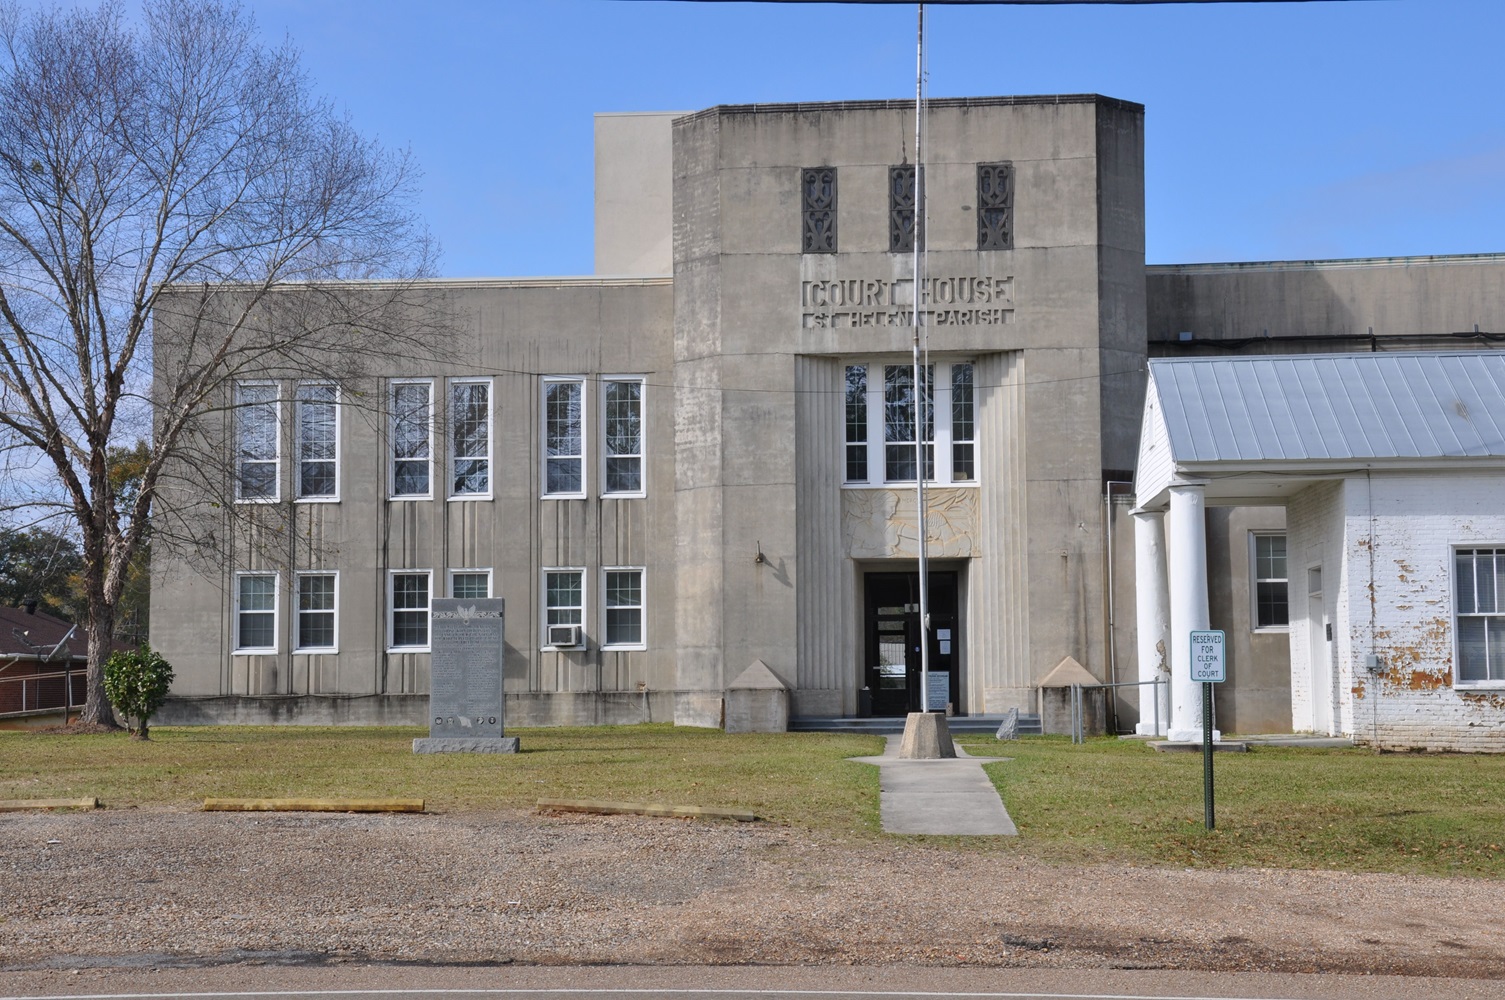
[
  {"x": 26, "y": 805},
  {"x": 315, "y": 805},
  {"x": 644, "y": 809}
]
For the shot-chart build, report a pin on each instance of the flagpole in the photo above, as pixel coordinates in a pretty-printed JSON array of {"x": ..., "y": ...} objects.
[{"x": 919, "y": 383}]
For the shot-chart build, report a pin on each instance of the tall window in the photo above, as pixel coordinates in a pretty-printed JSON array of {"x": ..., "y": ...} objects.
[
  {"x": 1271, "y": 585},
  {"x": 563, "y": 597},
  {"x": 880, "y": 405},
  {"x": 470, "y": 584},
  {"x": 856, "y": 400},
  {"x": 963, "y": 420},
  {"x": 624, "y": 607},
  {"x": 564, "y": 437},
  {"x": 316, "y": 611},
  {"x": 412, "y": 423},
  {"x": 995, "y": 206},
  {"x": 818, "y": 209},
  {"x": 622, "y": 433},
  {"x": 257, "y": 418},
  {"x": 256, "y": 613},
  {"x": 408, "y": 626},
  {"x": 899, "y": 422},
  {"x": 470, "y": 438},
  {"x": 318, "y": 441},
  {"x": 1480, "y": 610}
]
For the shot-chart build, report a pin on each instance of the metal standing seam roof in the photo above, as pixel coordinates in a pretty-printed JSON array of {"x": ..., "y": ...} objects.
[{"x": 1333, "y": 406}]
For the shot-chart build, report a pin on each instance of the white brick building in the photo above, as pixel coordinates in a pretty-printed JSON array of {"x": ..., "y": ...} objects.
[{"x": 1391, "y": 468}]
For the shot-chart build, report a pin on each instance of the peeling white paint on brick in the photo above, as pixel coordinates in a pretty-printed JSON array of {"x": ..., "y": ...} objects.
[{"x": 1413, "y": 523}]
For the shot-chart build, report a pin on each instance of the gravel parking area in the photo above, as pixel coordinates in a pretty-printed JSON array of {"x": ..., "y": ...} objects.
[{"x": 172, "y": 888}]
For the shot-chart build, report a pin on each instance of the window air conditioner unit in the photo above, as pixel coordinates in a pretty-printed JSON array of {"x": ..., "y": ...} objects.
[{"x": 563, "y": 636}]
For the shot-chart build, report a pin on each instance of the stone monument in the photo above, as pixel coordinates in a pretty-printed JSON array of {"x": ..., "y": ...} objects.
[{"x": 465, "y": 678}]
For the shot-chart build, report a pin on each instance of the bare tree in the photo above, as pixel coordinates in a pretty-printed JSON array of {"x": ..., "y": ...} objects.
[{"x": 169, "y": 184}]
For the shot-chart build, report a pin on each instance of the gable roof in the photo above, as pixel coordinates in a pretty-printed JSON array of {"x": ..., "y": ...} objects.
[{"x": 1321, "y": 414}]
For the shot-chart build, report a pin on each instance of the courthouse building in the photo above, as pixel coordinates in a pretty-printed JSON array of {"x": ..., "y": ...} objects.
[{"x": 702, "y": 457}]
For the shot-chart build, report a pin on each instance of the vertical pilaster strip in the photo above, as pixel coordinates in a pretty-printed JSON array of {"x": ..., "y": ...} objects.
[
  {"x": 824, "y": 600},
  {"x": 998, "y": 601}
]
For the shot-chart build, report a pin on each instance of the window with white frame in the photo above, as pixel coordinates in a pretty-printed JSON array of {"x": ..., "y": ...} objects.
[
  {"x": 1267, "y": 559},
  {"x": 880, "y": 403},
  {"x": 1479, "y": 607},
  {"x": 412, "y": 410},
  {"x": 856, "y": 423},
  {"x": 258, "y": 418},
  {"x": 470, "y": 584},
  {"x": 317, "y": 597},
  {"x": 408, "y": 604},
  {"x": 963, "y": 424},
  {"x": 564, "y": 437},
  {"x": 563, "y": 598},
  {"x": 470, "y": 437},
  {"x": 318, "y": 433},
  {"x": 256, "y": 613},
  {"x": 622, "y": 599},
  {"x": 622, "y": 436}
]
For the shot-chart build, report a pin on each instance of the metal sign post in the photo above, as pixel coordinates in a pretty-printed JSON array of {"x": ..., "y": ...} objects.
[{"x": 1209, "y": 666}]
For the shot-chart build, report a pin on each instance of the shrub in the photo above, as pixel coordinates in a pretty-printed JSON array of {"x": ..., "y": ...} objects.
[{"x": 136, "y": 683}]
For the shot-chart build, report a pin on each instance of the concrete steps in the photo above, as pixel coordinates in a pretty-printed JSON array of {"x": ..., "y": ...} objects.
[{"x": 1029, "y": 725}]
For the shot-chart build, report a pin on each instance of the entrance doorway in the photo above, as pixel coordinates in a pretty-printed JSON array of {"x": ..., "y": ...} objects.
[{"x": 892, "y": 653}]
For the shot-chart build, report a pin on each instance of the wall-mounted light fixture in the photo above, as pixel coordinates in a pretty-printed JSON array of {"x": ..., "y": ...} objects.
[{"x": 760, "y": 558}]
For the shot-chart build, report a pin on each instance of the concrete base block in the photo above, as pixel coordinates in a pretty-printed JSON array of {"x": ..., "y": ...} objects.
[
  {"x": 465, "y": 744},
  {"x": 699, "y": 708},
  {"x": 750, "y": 711},
  {"x": 1191, "y": 736},
  {"x": 1218, "y": 746},
  {"x": 926, "y": 737}
]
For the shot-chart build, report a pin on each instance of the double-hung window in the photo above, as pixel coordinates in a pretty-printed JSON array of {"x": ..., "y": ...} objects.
[
  {"x": 564, "y": 437},
  {"x": 317, "y": 596},
  {"x": 412, "y": 410},
  {"x": 256, "y": 612},
  {"x": 470, "y": 437},
  {"x": 1479, "y": 600},
  {"x": 623, "y": 605},
  {"x": 880, "y": 404},
  {"x": 470, "y": 584},
  {"x": 408, "y": 610},
  {"x": 318, "y": 434},
  {"x": 563, "y": 599},
  {"x": 258, "y": 420},
  {"x": 1267, "y": 555},
  {"x": 622, "y": 436}
]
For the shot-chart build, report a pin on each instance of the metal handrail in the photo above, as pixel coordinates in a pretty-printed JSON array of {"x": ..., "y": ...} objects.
[
  {"x": 37, "y": 708},
  {"x": 1078, "y": 708}
]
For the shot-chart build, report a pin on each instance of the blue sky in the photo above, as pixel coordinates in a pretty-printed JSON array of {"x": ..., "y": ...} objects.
[{"x": 1273, "y": 131}]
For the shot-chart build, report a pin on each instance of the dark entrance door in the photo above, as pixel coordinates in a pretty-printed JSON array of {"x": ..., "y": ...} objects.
[{"x": 892, "y": 672}]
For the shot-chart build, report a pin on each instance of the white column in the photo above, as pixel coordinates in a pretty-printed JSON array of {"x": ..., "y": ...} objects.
[
  {"x": 1188, "y": 598},
  {"x": 1152, "y": 617}
]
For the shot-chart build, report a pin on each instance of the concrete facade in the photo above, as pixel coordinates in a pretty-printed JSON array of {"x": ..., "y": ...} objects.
[{"x": 752, "y": 541}]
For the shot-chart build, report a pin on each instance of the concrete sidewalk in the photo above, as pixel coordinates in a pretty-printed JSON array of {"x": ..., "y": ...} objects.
[{"x": 951, "y": 796}]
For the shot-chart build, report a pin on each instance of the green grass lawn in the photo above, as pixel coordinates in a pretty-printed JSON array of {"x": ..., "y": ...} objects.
[
  {"x": 1349, "y": 809},
  {"x": 798, "y": 778},
  {"x": 1111, "y": 801}
]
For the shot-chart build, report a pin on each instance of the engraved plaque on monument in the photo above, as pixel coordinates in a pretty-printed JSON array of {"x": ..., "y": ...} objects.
[{"x": 465, "y": 678}]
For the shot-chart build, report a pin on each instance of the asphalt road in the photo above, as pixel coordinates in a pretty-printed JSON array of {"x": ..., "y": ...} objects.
[{"x": 387, "y": 982}]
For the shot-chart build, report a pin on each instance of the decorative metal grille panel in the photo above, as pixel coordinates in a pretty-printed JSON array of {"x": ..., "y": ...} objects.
[
  {"x": 901, "y": 208},
  {"x": 818, "y": 200},
  {"x": 995, "y": 206}
]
